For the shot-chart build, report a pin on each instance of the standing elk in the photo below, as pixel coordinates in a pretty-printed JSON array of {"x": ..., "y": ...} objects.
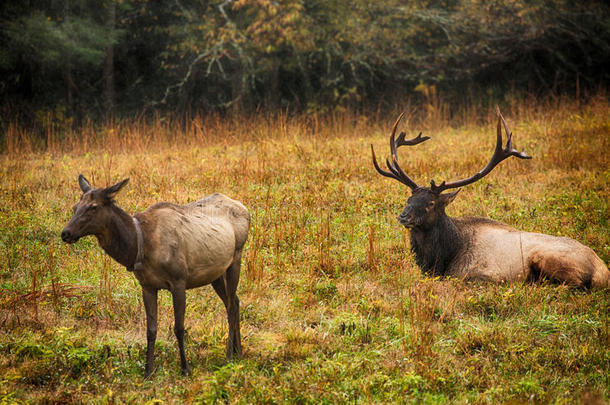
[
  {"x": 474, "y": 248},
  {"x": 169, "y": 247}
]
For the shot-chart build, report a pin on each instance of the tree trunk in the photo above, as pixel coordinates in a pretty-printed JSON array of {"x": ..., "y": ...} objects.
[
  {"x": 238, "y": 90},
  {"x": 273, "y": 96}
]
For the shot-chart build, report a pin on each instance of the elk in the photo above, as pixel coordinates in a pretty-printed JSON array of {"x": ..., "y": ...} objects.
[
  {"x": 473, "y": 248},
  {"x": 169, "y": 247}
]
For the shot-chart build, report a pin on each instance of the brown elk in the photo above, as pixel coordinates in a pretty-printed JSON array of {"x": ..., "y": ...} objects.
[
  {"x": 473, "y": 248},
  {"x": 169, "y": 247}
]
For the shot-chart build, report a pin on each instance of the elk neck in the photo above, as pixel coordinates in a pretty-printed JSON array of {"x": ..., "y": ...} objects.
[
  {"x": 120, "y": 238},
  {"x": 436, "y": 246}
]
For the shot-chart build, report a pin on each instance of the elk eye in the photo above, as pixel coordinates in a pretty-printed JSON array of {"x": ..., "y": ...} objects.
[{"x": 93, "y": 207}]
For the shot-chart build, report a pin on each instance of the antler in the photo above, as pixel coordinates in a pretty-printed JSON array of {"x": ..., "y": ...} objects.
[
  {"x": 395, "y": 171},
  {"x": 498, "y": 156}
]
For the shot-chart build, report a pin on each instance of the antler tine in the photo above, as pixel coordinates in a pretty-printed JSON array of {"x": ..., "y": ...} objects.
[
  {"x": 509, "y": 142},
  {"x": 393, "y": 173},
  {"x": 498, "y": 156},
  {"x": 379, "y": 169},
  {"x": 396, "y": 171},
  {"x": 392, "y": 139},
  {"x": 400, "y": 141}
]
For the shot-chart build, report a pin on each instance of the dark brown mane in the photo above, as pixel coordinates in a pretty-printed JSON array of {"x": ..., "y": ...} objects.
[{"x": 436, "y": 247}]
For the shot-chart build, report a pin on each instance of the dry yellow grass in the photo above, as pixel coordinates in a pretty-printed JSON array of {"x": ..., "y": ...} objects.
[{"x": 333, "y": 307}]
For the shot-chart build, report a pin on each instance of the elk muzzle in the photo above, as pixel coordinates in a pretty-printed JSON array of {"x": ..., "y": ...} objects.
[
  {"x": 73, "y": 230},
  {"x": 406, "y": 219},
  {"x": 68, "y": 236}
]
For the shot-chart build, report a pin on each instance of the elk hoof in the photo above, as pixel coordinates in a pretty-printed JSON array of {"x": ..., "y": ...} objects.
[{"x": 186, "y": 371}]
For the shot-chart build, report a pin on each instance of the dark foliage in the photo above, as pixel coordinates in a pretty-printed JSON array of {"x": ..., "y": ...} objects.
[{"x": 81, "y": 59}]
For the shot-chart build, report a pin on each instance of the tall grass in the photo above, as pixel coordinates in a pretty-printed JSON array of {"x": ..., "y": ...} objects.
[
  {"x": 333, "y": 307},
  {"x": 160, "y": 132}
]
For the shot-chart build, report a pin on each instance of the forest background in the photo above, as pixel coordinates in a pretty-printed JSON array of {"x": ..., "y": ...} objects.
[{"x": 64, "y": 63}]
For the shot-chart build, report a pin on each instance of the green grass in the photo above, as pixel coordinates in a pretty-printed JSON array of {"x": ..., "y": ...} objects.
[{"x": 334, "y": 308}]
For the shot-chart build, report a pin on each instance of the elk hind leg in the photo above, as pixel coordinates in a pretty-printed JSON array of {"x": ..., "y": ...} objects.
[
  {"x": 231, "y": 281},
  {"x": 232, "y": 307},
  {"x": 560, "y": 269}
]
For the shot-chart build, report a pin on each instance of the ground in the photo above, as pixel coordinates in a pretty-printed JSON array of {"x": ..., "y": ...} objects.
[{"x": 333, "y": 307}]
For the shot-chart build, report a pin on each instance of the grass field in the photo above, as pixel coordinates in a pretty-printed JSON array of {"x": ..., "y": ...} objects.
[{"x": 334, "y": 308}]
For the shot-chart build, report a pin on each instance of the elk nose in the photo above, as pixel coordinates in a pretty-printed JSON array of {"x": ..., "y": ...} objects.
[
  {"x": 405, "y": 218},
  {"x": 65, "y": 235}
]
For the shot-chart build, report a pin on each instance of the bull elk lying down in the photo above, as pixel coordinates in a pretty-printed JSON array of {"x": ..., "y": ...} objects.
[
  {"x": 473, "y": 248},
  {"x": 169, "y": 247}
]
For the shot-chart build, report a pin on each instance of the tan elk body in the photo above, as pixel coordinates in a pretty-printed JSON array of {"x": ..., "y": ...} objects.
[
  {"x": 198, "y": 239},
  {"x": 499, "y": 253},
  {"x": 170, "y": 247},
  {"x": 473, "y": 248}
]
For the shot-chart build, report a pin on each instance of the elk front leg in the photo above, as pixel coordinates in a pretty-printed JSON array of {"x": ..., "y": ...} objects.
[
  {"x": 149, "y": 296},
  {"x": 179, "y": 300}
]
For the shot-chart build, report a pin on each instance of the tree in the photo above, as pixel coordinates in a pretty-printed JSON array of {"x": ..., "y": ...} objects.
[
  {"x": 53, "y": 45},
  {"x": 184, "y": 55}
]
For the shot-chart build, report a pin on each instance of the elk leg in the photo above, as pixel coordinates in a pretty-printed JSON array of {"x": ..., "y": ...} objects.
[
  {"x": 560, "y": 270},
  {"x": 219, "y": 287},
  {"x": 231, "y": 280},
  {"x": 149, "y": 296},
  {"x": 179, "y": 301}
]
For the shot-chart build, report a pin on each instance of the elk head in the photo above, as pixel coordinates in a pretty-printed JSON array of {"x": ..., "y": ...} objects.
[
  {"x": 427, "y": 204},
  {"x": 92, "y": 212}
]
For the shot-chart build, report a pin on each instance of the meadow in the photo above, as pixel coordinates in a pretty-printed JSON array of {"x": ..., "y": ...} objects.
[{"x": 333, "y": 307}]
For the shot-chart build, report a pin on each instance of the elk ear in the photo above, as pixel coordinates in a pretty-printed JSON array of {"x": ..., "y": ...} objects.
[
  {"x": 84, "y": 183},
  {"x": 112, "y": 191},
  {"x": 446, "y": 199}
]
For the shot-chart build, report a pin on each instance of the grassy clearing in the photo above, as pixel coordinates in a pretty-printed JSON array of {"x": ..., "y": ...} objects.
[{"x": 333, "y": 306}]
